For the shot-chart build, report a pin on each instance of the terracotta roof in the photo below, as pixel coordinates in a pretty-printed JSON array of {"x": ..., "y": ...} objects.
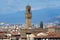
[
  {"x": 53, "y": 27},
  {"x": 2, "y": 34},
  {"x": 50, "y": 35},
  {"x": 23, "y": 37},
  {"x": 47, "y": 37},
  {"x": 15, "y": 33}
]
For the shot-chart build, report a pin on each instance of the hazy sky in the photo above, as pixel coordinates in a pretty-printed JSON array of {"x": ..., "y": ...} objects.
[
  {"x": 12, "y": 11},
  {"x": 11, "y": 6}
]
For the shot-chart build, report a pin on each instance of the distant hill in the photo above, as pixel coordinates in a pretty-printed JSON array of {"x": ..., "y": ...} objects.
[
  {"x": 46, "y": 15},
  {"x": 55, "y": 20}
]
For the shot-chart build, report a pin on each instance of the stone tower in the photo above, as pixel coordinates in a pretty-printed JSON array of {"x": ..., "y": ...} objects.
[{"x": 28, "y": 16}]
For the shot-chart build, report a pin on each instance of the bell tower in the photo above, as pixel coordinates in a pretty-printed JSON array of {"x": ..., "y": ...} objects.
[{"x": 28, "y": 16}]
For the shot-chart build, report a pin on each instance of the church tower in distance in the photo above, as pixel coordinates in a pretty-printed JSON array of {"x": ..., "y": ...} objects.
[{"x": 28, "y": 16}]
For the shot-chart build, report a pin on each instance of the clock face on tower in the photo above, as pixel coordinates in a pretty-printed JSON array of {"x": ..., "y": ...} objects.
[{"x": 28, "y": 16}]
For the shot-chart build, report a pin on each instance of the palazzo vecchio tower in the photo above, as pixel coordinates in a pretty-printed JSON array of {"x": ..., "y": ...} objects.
[{"x": 28, "y": 16}]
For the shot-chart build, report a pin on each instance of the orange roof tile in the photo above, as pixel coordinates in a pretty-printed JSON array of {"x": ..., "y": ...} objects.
[
  {"x": 53, "y": 27},
  {"x": 50, "y": 35}
]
